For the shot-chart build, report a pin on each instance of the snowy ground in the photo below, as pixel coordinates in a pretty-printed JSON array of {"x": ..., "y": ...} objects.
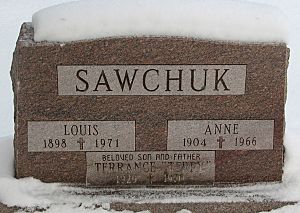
[{"x": 30, "y": 192}]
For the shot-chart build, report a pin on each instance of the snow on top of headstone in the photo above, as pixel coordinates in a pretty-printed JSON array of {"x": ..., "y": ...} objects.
[{"x": 205, "y": 19}]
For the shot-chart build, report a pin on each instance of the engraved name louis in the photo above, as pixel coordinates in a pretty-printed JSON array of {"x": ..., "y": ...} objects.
[{"x": 81, "y": 136}]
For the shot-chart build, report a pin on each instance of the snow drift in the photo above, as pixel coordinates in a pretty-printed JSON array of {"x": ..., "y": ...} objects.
[{"x": 205, "y": 19}]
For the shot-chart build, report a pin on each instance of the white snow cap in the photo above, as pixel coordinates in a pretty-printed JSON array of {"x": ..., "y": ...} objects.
[{"x": 205, "y": 19}]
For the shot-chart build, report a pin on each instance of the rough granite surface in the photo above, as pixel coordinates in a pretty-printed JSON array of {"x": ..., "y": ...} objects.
[{"x": 35, "y": 87}]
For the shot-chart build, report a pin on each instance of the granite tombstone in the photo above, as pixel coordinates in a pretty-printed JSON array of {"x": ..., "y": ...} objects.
[{"x": 149, "y": 110}]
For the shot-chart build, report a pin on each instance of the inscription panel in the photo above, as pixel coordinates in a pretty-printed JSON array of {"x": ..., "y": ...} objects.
[
  {"x": 44, "y": 136},
  {"x": 150, "y": 168},
  {"x": 152, "y": 80},
  {"x": 220, "y": 134}
]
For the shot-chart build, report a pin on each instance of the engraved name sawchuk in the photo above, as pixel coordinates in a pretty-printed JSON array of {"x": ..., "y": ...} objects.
[{"x": 151, "y": 80}]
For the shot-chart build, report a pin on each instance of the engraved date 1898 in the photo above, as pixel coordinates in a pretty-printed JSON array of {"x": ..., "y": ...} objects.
[{"x": 55, "y": 143}]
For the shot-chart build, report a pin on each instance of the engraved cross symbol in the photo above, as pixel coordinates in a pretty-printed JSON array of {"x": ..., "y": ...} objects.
[
  {"x": 220, "y": 140},
  {"x": 81, "y": 142}
]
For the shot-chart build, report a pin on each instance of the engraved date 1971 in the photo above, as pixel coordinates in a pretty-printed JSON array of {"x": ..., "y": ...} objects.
[{"x": 109, "y": 142}]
